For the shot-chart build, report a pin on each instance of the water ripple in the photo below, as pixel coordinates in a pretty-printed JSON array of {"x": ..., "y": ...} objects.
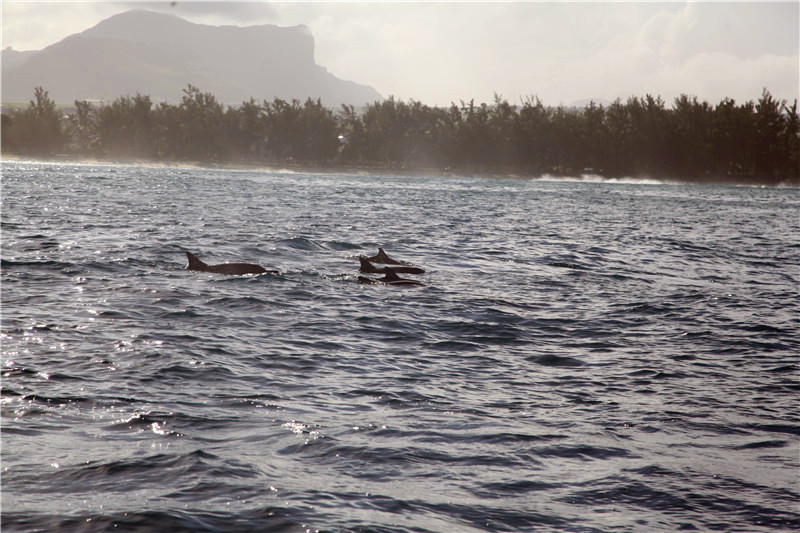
[{"x": 582, "y": 357}]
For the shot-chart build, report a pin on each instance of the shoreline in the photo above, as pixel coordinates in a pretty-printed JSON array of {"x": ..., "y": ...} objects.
[
  {"x": 378, "y": 171},
  {"x": 269, "y": 167}
]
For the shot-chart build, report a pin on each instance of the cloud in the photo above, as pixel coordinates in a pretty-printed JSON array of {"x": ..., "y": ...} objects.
[
  {"x": 714, "y": 51},
  {"x": 563, "y": 52},
  {"x": 441, "y": 52},
  {"x": 35, "y": 25}
]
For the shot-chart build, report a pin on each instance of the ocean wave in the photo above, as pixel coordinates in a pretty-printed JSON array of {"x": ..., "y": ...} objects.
[{"x": 583, "y": 356}]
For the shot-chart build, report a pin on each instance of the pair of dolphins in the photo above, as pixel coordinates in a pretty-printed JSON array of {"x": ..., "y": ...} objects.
[
  {"x": 390, "y": 273},
  {"x": 390, "y": 276}
]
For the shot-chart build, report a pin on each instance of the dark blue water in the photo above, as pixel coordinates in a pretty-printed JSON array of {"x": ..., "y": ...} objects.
[{"x": 583, "y": 356}]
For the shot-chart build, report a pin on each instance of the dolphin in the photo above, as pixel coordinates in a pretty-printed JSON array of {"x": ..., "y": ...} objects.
[
  {"x": 369, "y": 268},
  {"x": 383, "y": 259},
  {"x": 391, "y": 278},
  {"x": 232, "y": 269}
]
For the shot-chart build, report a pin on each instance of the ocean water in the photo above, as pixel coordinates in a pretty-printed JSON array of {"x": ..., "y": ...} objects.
[{"x": 583, "y": 356}]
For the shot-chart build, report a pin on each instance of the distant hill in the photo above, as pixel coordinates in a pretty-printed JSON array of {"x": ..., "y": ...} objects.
[
  {"x": 14, "y": 58},
  {"x": 159, "y": 54}
]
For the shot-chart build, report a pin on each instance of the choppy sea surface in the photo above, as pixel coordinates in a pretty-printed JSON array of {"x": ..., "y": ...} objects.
[{"x": 583, "y": 356}]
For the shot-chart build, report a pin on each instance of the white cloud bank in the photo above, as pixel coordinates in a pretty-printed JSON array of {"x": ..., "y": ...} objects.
[{"x": 445, "y": 52}]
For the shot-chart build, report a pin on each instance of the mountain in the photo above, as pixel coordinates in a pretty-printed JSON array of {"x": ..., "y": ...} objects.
[
  {"x": 12, "y": 58},
  {"x": 158, "y": 55}
]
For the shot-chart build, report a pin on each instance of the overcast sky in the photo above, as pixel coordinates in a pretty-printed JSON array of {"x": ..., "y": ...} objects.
[{"x": 442, "y": 52}]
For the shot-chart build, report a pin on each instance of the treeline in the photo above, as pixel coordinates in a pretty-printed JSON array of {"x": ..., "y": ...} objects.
[{"x": 691, "y": 140}]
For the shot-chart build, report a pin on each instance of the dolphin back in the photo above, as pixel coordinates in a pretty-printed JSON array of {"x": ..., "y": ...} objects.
[
  {"x": 392, "y": 278},
  {"x": 231, "y": 269},
  {"x": 382, "y": 259},
  {"x": 368, "y": 267},
  {"x": 391, "y": 275}
]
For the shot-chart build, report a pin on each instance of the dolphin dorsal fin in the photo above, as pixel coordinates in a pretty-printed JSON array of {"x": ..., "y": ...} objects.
[
  {"x": 194, "y": 262},
  {"x": 391, "y": 275}
]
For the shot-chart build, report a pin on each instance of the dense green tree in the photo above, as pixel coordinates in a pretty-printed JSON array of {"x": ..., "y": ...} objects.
[
  {"x": 430, "y": 137},
  {"x": 37, "y": 129},
  {"x": 620, "y": 140},
  {"x": 691, "y": 140},
  {"x": 790, "y": 137},
  {"x": 202, "y": 130},
  {"x": 502, "y": 135},
  {"x": 594, "y": 136},
  {"x": 319, "y": 134},
  {"x": 83, "y": 126},
  {"x": 8, "y": 139},
  {"x": 769, "y": 127},
  {"x": 732, "y": 131},
  {"x": 245, "y": 131},
  {"x": 567, "y": 150},
  {"x": 352, "y": 135},
  {"x": 692, "y": 127},
  {"x": 167, "y": 130},
  {"x": 283, "y": 128},
  {"x": 533, "y": 136},
  {"x": 649, "y": 144},
  {"x": 387, "y": 125},
  {"x": 124, "y": 127}
]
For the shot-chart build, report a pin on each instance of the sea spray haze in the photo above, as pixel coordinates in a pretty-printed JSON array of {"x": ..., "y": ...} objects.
[{"x": 583, "y": 356}]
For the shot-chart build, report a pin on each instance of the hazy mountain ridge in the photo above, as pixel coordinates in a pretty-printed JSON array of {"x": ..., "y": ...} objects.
[
  {"x": 159, "y": 54},
  {"x": 14, "y": 58}
]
